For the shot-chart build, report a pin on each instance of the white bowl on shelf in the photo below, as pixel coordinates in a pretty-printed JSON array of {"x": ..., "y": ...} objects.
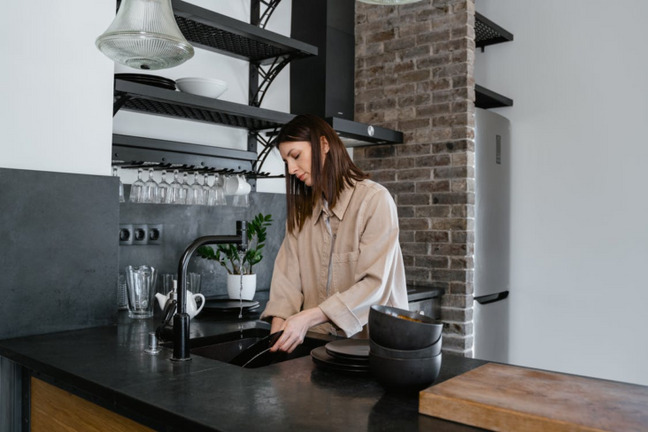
[{"x": 208, "y": 87}]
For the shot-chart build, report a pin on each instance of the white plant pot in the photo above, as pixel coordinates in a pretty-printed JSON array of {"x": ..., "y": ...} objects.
[{"x": 234, "y": 286}]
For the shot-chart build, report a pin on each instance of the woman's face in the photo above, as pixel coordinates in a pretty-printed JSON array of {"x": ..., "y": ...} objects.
[{"x": 297, "y": 155}]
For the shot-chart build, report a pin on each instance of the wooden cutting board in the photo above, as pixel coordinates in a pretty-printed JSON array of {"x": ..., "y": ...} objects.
[{"x": 508, "y": 398}]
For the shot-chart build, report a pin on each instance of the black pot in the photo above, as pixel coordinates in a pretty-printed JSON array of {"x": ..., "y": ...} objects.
[
  {"x": 405, "y": 374},
  {"x": 431, "y": 351},
  {"x": 401, "y": 329}
]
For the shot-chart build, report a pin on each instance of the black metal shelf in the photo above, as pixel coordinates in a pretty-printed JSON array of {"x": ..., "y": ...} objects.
[
  {"x": 489, "y": 33},
  {"x": 219, "y": 33},
  {"x": 169, "y": 103},
  {"x": 486, "y": 99}
]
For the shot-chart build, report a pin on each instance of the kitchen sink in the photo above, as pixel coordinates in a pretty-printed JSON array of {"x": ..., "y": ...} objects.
[{"x": 225, "y": 347}]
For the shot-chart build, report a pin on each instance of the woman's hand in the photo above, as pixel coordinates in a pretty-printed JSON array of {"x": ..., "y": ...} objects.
[{"x": 295, "y": 328}]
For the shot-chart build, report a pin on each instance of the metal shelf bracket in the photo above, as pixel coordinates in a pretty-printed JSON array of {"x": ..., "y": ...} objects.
[
  {"x": 271, "y": 5},
  {"x": 268, "y": 76}
]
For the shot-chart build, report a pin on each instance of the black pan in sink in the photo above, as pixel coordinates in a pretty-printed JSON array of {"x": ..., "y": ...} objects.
[{"x": 259, "y": 354}]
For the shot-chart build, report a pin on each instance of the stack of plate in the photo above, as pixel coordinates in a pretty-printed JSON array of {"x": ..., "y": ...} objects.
[
  {"x": 147, "y": 79},
  {"x": 349, "y": 355},
  {"x": 230, "y": 306}
]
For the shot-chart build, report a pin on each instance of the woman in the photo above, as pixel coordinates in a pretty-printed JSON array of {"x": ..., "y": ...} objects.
[{"x": 341, "y": 252}]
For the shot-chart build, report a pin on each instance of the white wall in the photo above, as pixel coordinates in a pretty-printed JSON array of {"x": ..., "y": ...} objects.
[
  {"x": 56, "y": 110},
  {"x": 576, "y": 71}
]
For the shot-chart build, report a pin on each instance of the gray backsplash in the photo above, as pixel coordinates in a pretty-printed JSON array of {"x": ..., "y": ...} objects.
[
  {"x": 182, "y": 224},
  {"x": 58, "y": 254}
]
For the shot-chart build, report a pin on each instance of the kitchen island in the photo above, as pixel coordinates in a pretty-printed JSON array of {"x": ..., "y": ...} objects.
[{"x": 108, "y": 367}]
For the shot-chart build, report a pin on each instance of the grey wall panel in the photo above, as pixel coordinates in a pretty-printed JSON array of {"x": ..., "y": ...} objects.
[
  {"x": 58, "y": 251},
  {"x": 182, "y": 224}
]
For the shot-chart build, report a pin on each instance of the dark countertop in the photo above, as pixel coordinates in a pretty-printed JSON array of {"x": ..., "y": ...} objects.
[{"x": 108, "y": 366}]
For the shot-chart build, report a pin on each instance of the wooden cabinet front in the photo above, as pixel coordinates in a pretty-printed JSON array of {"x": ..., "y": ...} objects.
[{"x": 54, "y": 410}]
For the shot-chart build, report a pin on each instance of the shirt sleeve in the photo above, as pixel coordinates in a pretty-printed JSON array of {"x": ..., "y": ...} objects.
[
  {"x": 286, "y": 297},
  {"x": 379, "y": 269}
]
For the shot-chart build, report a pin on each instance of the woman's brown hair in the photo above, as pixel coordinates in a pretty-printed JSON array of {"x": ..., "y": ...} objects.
[{"x": 328, "y": 179}]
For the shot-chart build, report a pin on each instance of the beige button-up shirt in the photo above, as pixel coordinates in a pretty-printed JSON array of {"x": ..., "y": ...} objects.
[{"x": 343, "y": 260}]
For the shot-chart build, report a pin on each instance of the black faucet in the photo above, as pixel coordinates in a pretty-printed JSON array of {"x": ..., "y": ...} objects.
[{"x": 181, "y": 318}]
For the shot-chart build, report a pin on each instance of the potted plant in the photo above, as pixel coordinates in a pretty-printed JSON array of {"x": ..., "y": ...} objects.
[{"x": 240, "y": 266}]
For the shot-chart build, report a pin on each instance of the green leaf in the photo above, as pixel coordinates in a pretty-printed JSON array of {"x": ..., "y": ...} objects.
[
  {"x": 228, "y": 255},
  {"x": 206, "y": 252}
]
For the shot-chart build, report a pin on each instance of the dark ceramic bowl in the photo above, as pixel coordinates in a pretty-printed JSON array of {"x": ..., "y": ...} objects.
[
  {"x": 401, "y": 329},
  {"x": 405, "y": 374},
  {"x": 427, "y": 352}
]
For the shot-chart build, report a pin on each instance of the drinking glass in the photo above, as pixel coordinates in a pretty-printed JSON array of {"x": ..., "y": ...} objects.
[
  {"x": 150, "y": 189},
  {"x": 216, "y": 196},
  {"x": 205, "y": 189},
  {"x": 193, "y": 283},
  {"x": 165, "y": 288},
  {"x": 122, "y": 297},
  {"x": 210, "y": 194},
  {"x": 141, "y": 291},
  {"x": 163, "y": 189},
  {"x": 121, "y": 186},
  {"x": 137, "y": 189},
  {"x": 166, "y": 285},
  {"x": 241, "y": 201},
  {"x": 185, "y": 191},
  {"x": 196, "y": 191},
  {"x": 174, "y": 194}
]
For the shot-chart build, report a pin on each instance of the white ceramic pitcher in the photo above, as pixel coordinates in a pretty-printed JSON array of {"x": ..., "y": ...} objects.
[{"x": 192, "y": 307}]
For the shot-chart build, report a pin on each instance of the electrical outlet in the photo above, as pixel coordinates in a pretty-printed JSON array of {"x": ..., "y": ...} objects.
[
  {"x": 155, "y": 234},
  {"x": 140, "y": 234},
  {"x": 125, "y": 234}
]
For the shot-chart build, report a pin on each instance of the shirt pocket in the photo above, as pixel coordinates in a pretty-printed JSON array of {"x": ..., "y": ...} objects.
[{"x": 344, "y": 270}]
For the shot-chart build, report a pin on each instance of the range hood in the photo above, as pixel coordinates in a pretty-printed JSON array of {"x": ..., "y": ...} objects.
[{"x": 324, "y": 85}]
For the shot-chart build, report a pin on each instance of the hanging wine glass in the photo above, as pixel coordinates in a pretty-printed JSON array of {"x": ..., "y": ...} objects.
[
  {"x": 185, "y": 191},
  {"x": 205, "y": 188},
  {"x": 150, "y": 189},
  {"x": 196, "y": 191},
  {"x": 174, "y": 194},
  {"x": 137, "y": 189},
  {"x": 219, "y": 193},
  {"x": 121, "y": 186},
  {"x": 211, "y": 192},
  {"x": 163, "y": 189}
]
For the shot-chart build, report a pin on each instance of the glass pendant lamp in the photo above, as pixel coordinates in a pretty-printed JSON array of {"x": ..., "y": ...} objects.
[{"x": 145, "y": 35}]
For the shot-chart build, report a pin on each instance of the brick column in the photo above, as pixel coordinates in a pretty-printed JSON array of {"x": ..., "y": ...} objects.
[{"x": 414, "y": 73}]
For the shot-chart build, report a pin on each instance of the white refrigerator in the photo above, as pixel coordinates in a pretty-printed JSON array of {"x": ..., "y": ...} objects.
[{"x": 492, "y": 234}]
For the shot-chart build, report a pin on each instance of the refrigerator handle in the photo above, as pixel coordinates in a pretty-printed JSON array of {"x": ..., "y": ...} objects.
[{"x": 492, "y": 298}]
